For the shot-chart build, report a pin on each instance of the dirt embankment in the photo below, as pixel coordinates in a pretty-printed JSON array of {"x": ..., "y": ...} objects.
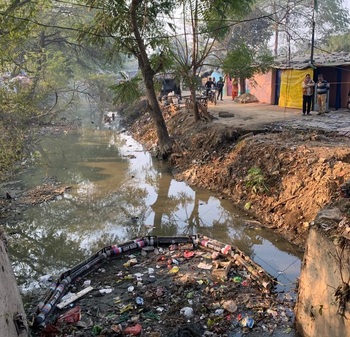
[{"x": 284, "y": 178}]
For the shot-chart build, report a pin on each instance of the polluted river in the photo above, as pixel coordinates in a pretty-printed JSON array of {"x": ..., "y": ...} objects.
[{"x": 118, "y": 192}]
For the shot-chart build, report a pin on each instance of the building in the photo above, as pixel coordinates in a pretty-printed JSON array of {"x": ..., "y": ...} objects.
[{"x": 282, "y": 85}]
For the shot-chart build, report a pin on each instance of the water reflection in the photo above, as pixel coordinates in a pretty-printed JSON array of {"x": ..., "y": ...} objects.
[{"x": 118, "y": 193}]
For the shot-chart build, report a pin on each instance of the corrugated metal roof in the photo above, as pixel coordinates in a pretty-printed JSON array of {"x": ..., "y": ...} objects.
[{"x": 320, "y": 60}]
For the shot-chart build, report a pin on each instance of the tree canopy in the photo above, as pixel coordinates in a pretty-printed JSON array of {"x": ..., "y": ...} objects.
[
  {"x": 242, "y": 63},
  {"x": 291, "y": 22},
  {"x": 53, "y": 52},
  {"x": 44, "y": 69},
  {"x": 203, "y": 25}
]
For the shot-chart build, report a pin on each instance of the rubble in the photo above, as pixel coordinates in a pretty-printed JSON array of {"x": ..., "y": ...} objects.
[
  {"x": 246, "y": 98},
  {"x": 173, "y": 290}
]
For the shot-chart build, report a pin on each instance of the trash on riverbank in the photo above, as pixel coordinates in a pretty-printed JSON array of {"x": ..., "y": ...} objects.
[{"x": 166, "y": 290}]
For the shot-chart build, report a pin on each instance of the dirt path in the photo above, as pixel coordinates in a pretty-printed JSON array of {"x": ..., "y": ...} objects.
[{"x": 252, "y": 116}]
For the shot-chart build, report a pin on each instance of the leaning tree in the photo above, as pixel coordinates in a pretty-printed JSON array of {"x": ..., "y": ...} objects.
[{"x": 137, "y": 28}]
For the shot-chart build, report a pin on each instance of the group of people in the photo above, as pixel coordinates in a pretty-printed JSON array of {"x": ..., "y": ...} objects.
[
  {"x": 308, "y": 85},
  {"x": 322, "y": 87},
  {"x": 212, "y": 84}
]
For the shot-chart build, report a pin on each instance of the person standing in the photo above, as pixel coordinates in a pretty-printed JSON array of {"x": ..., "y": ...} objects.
[
  {"x": 308, "y": 91},
  {"x": 322, "y": 87},
  {"x": 219, "y": 87}
]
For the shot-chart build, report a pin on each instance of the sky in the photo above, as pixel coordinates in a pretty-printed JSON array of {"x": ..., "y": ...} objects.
[{"x": 347, "y": 4}]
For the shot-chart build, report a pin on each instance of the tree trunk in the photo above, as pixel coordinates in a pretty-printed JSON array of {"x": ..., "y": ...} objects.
[
  {"x": 194, "y": 62},
  {"x": 195, "y": 105},
  {"x": 164, "y": 140},
  {"x": 275, "y": 49},
  {"x": 276, "y": 28},
  {"x": 242, "y": 85},
  {"x": 165, "y": 143}
]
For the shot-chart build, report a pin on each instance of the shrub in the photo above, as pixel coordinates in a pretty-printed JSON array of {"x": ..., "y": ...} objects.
[{"x": 256, "y": 180}]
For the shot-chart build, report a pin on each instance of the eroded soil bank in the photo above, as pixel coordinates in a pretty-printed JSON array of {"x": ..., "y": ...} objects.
[
  {"x": 284, "y": 178},
  {"x": 299, "y": 172}
]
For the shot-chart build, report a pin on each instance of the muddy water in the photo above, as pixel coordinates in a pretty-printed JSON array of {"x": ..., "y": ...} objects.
[{"x": 118, "y": 191}]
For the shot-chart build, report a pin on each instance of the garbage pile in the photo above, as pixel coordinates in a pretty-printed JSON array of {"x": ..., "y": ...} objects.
[
  {"x": 177, "y": 290},
  {"x": 246, "y": 98}
]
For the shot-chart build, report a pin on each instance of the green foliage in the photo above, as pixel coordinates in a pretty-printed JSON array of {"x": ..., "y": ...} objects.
[
  {"x": 254, "y": 31},
  {"x": 162, "y": 61},
  {"x": 240, "y": 62},
  {"x": 263, "y": 63},
  {"x": 11, "y": 145},
  {"x": 217, "y": 15},
  {"x": 35, "y": 41},
  {"x": 135, "y": 28},
  {"x": 15, "y": 115},
  {"x": 204, "y": 24},
  {"x": 112, "y": 21},
  {"x": 255, "y": 180},
  {"x": 338, "y": 43},
  {"x": 292, "y": 21},
  {"x": 331, "y": 18},
  {"x": 127, "y": 91},
  {"x": 48, "y": 52}
]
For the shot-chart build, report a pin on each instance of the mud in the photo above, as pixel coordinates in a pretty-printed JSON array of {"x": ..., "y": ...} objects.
[{"x": 281, "y": 173}]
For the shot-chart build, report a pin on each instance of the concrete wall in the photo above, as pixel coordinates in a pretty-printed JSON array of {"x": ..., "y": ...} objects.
[
  {"x": 262, "y": 87},
  {"x": 325, "y": 265},
  {"x": 10, "y": 299}
]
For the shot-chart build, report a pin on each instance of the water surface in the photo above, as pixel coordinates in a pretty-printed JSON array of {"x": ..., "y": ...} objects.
[{"x": 118, "y": 192}]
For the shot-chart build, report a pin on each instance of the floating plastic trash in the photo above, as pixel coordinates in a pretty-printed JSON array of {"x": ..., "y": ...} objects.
[
  {"x": 139, "y": 301},
  {"x": 187, "y": 312},
  {"x": 237, "y": 279},
  {"x": 174, "y": 270},
  {"x": 247, "y": 322}
]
